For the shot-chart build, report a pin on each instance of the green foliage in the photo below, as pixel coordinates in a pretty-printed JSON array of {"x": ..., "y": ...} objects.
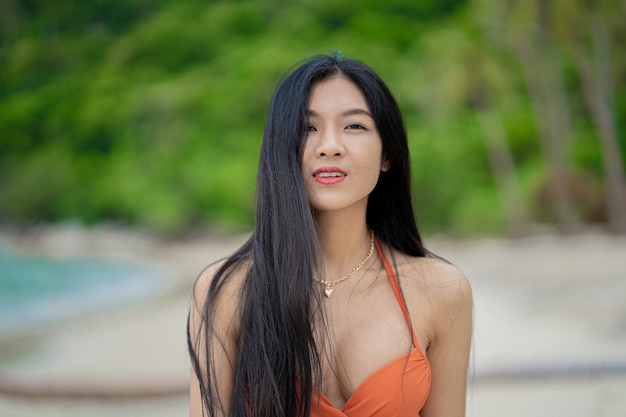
[
  {"x": 151, "y": 112},
  {"x": 448, "y": 166}
]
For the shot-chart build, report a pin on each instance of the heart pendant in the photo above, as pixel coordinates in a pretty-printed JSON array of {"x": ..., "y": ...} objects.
[{"x": 328, "y": 291}]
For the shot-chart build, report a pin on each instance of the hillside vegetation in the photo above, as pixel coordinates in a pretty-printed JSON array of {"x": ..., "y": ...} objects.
[{"x": 151, "y": 112}]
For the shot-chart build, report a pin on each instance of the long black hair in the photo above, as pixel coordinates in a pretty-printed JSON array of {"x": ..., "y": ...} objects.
[{"x": 278, "y": 360}]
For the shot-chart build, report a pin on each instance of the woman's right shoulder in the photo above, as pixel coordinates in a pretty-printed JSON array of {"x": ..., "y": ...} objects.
[
  {"x": 209, "y": 273},
  {"x": 230, "y": 281}
]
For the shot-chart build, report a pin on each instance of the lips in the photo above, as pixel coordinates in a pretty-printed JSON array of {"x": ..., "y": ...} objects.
[{"x": 329, "y": 175}]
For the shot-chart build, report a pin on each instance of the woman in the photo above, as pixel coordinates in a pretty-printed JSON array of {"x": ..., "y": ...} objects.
[{"x": 333, "y": 307}]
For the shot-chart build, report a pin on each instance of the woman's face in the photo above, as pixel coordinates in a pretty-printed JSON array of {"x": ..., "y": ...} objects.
[{"x": 343, "y": 152}]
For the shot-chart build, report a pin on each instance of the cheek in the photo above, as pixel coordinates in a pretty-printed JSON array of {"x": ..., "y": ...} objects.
[
  {"x": 304, "y": 163},
  {"x": 307, "y": 153},
  {"x": 378, "y": 161},
  {"x": 371, "y": 170}
]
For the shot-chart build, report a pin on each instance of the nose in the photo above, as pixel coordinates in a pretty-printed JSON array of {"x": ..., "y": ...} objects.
[{"x": 330, "y": 144}]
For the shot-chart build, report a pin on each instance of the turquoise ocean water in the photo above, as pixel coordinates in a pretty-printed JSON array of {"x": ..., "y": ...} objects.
[{"x": 36, "y": 291}]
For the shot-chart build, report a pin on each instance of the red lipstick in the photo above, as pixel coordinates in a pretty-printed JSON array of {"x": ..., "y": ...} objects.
[{"x": 329, "y": 175}]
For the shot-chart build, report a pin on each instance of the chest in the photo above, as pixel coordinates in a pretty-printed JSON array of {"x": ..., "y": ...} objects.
[{"x": 364, "y": 333}]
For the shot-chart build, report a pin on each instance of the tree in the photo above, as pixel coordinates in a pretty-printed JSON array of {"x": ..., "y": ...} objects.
[
  {"x": 472, "y": 77},
  {"x": 527, "y": 32},
  {"x": 586, "y": 29}
]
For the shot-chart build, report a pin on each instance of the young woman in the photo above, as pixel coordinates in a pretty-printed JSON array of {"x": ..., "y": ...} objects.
[{"x": 333, "y": 307}]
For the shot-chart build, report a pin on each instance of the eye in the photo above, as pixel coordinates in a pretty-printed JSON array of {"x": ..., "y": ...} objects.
[
  {"x": 355, "y": 126},
  {"x": 309, "y": 128}
]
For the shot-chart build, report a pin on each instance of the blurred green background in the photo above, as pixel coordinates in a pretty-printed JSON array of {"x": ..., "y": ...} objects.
[{"x": 150, "y": 112}]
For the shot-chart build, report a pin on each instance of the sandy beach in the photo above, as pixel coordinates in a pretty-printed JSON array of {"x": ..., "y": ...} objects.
[{"x": 549, "y": 339}]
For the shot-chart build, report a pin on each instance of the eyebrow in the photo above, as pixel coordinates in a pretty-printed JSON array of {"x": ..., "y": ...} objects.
[{"x": 350, "y": 112}]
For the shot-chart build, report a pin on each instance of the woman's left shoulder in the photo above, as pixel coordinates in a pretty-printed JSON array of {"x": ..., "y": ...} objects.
[
  {"x": 441, "y": 281},
  {"x": 440, "y": 294}
]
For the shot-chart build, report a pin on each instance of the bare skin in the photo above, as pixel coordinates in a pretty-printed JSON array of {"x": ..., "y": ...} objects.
[{"x": 365, "y": 326}]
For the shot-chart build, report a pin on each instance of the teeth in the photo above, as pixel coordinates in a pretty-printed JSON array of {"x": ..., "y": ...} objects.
[{"x": 329, "y": 174}]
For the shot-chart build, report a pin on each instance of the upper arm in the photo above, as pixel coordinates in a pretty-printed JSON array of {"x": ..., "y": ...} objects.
[
  {"x": 217, "y": 364},
  {"x": 448, "y": 352}
]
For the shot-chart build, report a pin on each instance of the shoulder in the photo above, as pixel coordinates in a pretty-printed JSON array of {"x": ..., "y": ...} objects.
[
  {"x": 228, "y": 281},
  {"x": 445, "y": 309},
  {"x": 445, "y": 282},
  {"x": 218, "y": 292},
  {"x": 435, "y": 276},
  {"x": 213, "y": 331},
  {"x": 437, "y": 289}
]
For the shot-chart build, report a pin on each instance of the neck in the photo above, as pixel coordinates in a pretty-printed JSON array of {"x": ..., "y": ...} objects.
[{"x": 344, "y": 239}]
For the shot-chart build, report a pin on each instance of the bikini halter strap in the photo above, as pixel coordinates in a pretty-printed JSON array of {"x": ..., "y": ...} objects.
[{"x": 395, "y": 285}]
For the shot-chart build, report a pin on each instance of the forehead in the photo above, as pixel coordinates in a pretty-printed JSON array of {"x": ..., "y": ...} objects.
[{"x": 336, "y": 93}]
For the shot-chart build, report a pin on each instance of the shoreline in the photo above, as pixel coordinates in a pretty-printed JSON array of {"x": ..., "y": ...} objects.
[
  {"x": 53, "y": 360},
  {"x": 549, "y": 314}
]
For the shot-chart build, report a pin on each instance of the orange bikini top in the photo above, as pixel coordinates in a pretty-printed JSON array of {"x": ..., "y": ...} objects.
[{"x": 398, "y": 389}]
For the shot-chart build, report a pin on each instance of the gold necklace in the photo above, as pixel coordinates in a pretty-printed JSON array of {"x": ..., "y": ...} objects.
[{"x": 328, "y": 285}]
